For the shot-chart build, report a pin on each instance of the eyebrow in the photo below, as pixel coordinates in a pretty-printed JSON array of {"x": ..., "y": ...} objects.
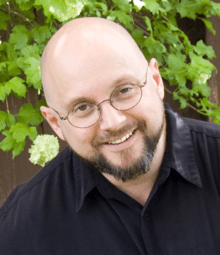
[{"x": 117, "y": 82}]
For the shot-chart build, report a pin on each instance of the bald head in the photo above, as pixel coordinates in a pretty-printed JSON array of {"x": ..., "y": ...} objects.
[{"x": 79, "y": 48}]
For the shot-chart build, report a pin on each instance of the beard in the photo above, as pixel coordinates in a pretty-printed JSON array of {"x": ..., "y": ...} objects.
[{"x": 138, "y": 168}]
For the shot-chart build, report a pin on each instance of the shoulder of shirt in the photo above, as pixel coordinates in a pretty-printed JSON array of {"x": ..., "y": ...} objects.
[
  {"x": 204, "y": 127},
  {"x": 30, "y": 184}
]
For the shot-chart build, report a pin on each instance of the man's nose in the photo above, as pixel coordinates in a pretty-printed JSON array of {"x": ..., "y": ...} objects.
[{"x": 111, "y": 118}]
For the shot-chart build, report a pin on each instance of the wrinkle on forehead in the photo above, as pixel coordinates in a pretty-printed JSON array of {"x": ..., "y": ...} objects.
[{"x": 79, "y": 41}]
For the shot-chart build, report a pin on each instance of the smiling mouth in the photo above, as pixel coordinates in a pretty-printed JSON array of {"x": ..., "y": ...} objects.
[{"x": 123, "y": 139}]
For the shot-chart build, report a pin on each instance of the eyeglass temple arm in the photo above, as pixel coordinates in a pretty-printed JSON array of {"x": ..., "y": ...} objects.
[{"x": 62, "y": 118}]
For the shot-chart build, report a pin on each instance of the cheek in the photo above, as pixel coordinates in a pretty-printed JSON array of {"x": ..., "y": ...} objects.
[
  {"x": 150, "y": 109},
  {"x": 79, "y": 139}
]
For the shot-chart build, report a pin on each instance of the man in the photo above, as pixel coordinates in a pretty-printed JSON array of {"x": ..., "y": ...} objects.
[{"x": 138, "y": 179}]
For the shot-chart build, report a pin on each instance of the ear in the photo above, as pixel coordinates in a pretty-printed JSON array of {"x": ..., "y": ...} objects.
[
  {"x": 157, "y": 77},
  {"x": 52, "y": 120}
]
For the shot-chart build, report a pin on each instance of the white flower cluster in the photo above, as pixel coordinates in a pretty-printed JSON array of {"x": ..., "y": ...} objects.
[
  {"x": 44, "y": 149},
  {"x": 203, "y": 78}
]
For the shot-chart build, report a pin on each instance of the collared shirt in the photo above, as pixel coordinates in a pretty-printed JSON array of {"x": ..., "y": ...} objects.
[{"x": 70, "y": 208}]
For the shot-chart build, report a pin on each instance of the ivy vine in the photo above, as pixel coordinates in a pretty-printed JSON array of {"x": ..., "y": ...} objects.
[{"x": 27, "y": 25}]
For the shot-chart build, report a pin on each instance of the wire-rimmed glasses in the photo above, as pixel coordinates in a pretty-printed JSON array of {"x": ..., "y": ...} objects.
[{"x": 86, "y": 114}]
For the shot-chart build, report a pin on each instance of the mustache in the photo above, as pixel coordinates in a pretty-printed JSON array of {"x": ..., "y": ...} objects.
[{"x": 112, "y": 135}]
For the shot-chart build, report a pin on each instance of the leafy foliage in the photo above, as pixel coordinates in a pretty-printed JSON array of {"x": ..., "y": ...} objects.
[{"x": 27, "y": 25}]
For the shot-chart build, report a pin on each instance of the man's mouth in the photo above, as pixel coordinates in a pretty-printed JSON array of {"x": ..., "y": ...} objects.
[{"x": 123, "y": 139}]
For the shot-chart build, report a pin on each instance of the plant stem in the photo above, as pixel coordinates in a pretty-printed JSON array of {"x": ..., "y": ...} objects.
[{"x": 191, "y": 106}]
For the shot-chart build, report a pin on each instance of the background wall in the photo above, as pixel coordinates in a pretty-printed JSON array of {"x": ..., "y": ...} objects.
[{"x": 13, "y": 172}]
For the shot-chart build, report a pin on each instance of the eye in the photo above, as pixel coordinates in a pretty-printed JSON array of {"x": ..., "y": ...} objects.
[
  {"x": 83, "y": 109},
  {"x": 125, "y": 90}
]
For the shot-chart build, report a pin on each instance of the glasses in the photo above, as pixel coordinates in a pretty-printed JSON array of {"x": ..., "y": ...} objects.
[{"x": 123, "y": 98}]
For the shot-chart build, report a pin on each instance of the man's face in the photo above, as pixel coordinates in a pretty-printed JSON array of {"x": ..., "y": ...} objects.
[
  {"x": 121, "y": 143},
  {"x": 102, "y": 144}
]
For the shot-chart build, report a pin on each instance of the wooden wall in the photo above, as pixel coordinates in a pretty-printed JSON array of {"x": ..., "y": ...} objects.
[{"x": 13, "y": 172}]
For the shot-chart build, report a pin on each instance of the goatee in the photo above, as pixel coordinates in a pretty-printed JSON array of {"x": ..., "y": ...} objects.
[{"x": 139, "y": 168}]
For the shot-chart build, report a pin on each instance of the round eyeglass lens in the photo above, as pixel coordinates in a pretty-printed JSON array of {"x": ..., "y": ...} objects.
[
  {"x": 85, "y": 115},
  {"x": 126, "y": 96}
]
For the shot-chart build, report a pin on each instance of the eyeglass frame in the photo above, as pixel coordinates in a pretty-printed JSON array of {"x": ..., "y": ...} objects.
[{"x": 98, "y": 105}]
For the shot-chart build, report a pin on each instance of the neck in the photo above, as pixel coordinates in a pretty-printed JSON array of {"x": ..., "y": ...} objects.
[{"x": 140, "y": 188}]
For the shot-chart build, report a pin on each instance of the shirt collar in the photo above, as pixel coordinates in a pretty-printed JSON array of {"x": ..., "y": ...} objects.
[
  {"x": 84, "y": 179},
  {"x": 179, "y": 154}
]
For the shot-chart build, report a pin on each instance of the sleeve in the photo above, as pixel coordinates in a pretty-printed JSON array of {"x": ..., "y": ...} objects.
[{"x": 6, "y": 246}]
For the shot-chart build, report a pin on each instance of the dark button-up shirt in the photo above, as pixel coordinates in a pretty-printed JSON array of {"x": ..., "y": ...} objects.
[{"x": 70, "y": 208}]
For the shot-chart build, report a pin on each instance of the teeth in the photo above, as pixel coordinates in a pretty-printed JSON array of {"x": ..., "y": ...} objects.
[{"x": 122, "y": 139}]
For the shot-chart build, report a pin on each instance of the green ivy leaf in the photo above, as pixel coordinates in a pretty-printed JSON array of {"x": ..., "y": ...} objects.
[
  {"x": 207, "y": 103},
  {"x": 138, "y": 34},
  {"x": 50, "y": 7},
  {"x": 177, "y": 62},
  {"x": 17, "y": 149},
  {"x": 200, "y": 69},
  {"x": 41, "y": 34},
  {"x": 3, "y": 20},
  {"x": 183, "y": 102},
  {"x": 204, "y": 89},
  {"x": 19, "y": 37},
  {"x": 2, "y": 92},
  {"x": 148, "y": 24},
  {"x": 31, "y": 51},
  {"x": 21, "y": 64},
  {"x": 154, "y": 46},
  {"x": 2, "y": 66},
  {"x": 33, "y": 72},
  {"x": 201, "y": 49},
  {"x": 25, "y": 4},
  {"x": 184, "y": 91},
  {"x": 10, "y": 120},
  {"x": 16, "y": 85},
  {"x": 101, "y": 5},
  {"x": 20, "y": 131},
  {"x": 28, "y": 115},
  {"x": 41, "y": 103},
  {"x": 11, "y": 53},
  {"x": 6, "y": 118},
  {"x": 8, "y": 143},
  {"x": 208, "y": 24},
  {"x": 167, "y": 5},
  {"x": 121, "y": 16},
  {"x": 123, "y": 5},
  {"x": 13, "y": 69},
  {"x": 215, "y": 9},
  {"x": 32, "y": 133},
  {"x": 181, "y": 79},
  {"x": 153, "y": 7},
  {"x": 3, "y": 116},
  {"x": 74, "y": 9},
  {"x": 190, "y": 8}
]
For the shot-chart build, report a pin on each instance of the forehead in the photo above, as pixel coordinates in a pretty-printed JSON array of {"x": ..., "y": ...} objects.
[{"x": 90, "y": 67}]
